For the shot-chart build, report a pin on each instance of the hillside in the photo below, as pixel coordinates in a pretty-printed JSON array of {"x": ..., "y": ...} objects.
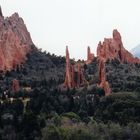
[
  {"x": 40, "y": 67},
  {"x": 123, "y": 77}
]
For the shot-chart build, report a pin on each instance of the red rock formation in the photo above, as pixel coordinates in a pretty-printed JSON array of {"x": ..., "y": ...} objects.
[
  {"x": 15, "y": 85},
  {"x": 68, "y": 78},
  {"x": 112, "y": 48},
  {"x": 15, "y": 41},
  {"x": 74, "y": 73},
  {"x": 102, "y": 78},
  {"x": 90, "y": 56},
  {"x": 1, "y": 12}
]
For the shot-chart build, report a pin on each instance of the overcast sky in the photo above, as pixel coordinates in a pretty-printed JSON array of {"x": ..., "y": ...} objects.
[{"x": 53, "y": 24}]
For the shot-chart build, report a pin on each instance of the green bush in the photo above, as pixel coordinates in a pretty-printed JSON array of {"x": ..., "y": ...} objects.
[{"x": 71, "y": 115}]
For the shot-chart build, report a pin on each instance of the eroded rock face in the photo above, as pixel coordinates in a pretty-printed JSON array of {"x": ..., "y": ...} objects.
[
  {"x": 74, "y": 76},
  {"x": 112, "y": 48},
  {"x": 15, "y": 41},
  {"x": 90, "y": 56}
]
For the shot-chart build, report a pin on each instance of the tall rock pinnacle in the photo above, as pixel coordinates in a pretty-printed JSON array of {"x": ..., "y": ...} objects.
[
  {"x": 90, "y": 56},
  {"x": 102, "y": 78},
  {"x": 73, "y": 73},
  {"x": 1, "y": 12},
  {"x": 68, "y": 81}
]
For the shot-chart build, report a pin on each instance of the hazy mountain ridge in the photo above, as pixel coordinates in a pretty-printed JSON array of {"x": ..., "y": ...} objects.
[{"x": 136, "y": 51}]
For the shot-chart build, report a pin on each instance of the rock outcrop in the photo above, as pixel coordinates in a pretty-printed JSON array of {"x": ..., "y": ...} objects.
[
  {"x": 15, "y": 85},
  {"x": 15, "y": 41},
  {"x": 90, "y": 56},
  {"x": 74, "y": 76},
  {"x": 112, "y": 48}
]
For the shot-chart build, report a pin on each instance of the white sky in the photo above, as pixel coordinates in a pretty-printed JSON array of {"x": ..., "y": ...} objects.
[{"x": 53, "y": 24}]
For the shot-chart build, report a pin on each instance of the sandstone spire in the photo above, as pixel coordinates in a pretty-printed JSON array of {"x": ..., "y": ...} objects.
[
  {"x": 68, "y": 82},
  {"x": 1, "y": 12},
  {"x": 67, "y": 56},
  {"x": 103, "y": 83},
  {"x": 73, "y": 73},
  {"x": 88, "y": 53},
  {"x": 90, "y": 56}
]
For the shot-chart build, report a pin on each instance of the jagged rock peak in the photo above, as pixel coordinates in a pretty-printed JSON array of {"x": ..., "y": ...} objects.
[
  {"x": 15, "y": 42},
  {"x": 15, "y": 17},
  {"x": 112, "y": 48},
  {"x": 116, "y": 35}
]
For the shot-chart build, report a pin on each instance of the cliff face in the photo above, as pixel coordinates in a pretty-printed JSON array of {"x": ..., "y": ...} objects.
[
  {"x": 112, "y": 48},
  {"x": 15, "y": 41}
]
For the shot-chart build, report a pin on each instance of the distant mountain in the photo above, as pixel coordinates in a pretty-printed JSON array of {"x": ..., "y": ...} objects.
[{"x": 136, "y": 51}]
